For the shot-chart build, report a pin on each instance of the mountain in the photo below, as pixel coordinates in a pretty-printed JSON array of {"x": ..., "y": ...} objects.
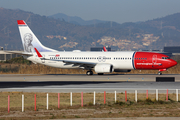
[
  {"x": 62, "y": 35},
  {"x": 53, "y": 33},
  {"x": 75, "y": 20}
]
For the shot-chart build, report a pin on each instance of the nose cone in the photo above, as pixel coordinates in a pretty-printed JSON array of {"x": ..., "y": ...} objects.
[{"x": 173, "y": 62}]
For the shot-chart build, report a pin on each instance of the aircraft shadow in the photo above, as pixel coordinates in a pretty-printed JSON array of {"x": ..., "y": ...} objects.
[{"x": 12, "y": 84}]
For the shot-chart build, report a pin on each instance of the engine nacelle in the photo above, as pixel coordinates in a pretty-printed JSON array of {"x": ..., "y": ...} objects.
[{"x": 103, "y": 68}]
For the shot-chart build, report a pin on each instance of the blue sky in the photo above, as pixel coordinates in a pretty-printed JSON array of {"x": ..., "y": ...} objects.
[{"x": 111, "y": 10}]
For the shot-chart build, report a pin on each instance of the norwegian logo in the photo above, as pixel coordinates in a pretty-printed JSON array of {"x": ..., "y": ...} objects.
[{"x": 57, "y": 55}]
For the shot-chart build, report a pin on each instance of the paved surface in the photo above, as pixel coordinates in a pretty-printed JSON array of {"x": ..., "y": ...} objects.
[
  {"x": 78, "y": 87},
  {"x": 79, "y": 83},
  {"x": 83, "y": 77}
]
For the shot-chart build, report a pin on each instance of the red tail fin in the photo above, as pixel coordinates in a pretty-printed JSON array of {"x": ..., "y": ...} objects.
[{"x": 21, "y": 22}]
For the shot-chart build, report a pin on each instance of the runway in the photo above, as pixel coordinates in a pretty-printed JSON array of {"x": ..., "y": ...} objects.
[
  {"x": 83, "y": 83},
  {"x": 83, "y": 77}
]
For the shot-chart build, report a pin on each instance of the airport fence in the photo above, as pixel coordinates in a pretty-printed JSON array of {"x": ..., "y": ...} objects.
[{"x": 34, "y": 101}]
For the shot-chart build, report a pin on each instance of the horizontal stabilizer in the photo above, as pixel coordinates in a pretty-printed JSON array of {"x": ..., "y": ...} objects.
[{"x": 20, "y": 53}]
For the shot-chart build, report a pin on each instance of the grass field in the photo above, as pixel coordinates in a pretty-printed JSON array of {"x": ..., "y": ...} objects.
[{"x": 143, "y": 108}]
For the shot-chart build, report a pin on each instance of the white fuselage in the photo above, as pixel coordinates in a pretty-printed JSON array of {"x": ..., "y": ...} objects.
[{"x": 119, "y": 60}]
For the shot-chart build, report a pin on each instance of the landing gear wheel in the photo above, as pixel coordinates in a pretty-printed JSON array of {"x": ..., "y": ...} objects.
[
  {"x": 89, "y": 73},
  {"x": 100, "y": 73},
  {"x": 159, "y": 73}
]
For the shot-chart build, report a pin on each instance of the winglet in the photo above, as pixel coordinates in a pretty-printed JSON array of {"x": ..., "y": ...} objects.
[
  {"x": 21, "y": 22},
  {"x": 39, "y": 55},
  {"x": 104, "y": 48}
]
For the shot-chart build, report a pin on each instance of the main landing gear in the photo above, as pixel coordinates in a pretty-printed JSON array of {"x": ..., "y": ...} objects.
[{"x": 89, "y": 72}]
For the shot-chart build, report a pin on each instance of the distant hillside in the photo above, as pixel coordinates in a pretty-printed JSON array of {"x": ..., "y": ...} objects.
[
  {"x": 166, "y": 28},
  {"x": 62, "y": 35},
  {"x": 75, "y": 20}
]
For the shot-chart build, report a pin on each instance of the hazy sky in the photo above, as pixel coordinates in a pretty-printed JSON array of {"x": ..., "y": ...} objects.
[{"x": 111, "y": 10}]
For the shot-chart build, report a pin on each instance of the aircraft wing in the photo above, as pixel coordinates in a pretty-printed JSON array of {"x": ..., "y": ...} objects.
[
  {"x": 19, "y": 53},
  {"x": 86, "y": 65}
]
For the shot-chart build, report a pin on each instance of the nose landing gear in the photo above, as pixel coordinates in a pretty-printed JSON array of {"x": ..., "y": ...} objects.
[{"x": 160, "y": 70}]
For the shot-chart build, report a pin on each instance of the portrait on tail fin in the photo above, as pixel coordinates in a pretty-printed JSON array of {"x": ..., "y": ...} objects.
[{"x": 28, "y": 38}]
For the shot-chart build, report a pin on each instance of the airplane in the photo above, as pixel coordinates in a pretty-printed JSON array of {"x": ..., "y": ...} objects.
[{"x": 100, "y": 62}]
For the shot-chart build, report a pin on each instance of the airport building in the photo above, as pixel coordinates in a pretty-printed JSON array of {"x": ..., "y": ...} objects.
[
  {"x": 99, "y": 48},
  {"x": 7, "y": 56},
  {"x": 172, "y": 49}
]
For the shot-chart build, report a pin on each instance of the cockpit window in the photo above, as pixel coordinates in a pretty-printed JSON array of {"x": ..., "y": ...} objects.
[{"x": 165, "y": 57}]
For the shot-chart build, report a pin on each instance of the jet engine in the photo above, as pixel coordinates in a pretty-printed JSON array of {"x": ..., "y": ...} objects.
[{"x": 103, "y": 68}]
